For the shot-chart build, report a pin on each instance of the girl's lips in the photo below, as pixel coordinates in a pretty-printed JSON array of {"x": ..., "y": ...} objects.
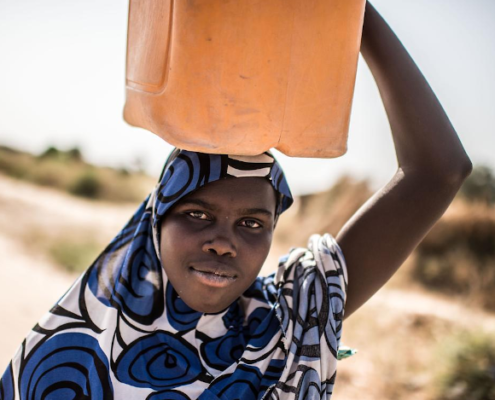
[
  {"x": 214, "y": 267},
  {"x": 212, "y": 279}
]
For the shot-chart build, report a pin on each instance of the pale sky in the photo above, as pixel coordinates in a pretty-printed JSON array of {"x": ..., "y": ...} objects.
[{"x": 62, "y": 65}]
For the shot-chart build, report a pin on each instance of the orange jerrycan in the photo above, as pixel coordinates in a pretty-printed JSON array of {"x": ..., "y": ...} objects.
[{"x": 243, "y": 76}]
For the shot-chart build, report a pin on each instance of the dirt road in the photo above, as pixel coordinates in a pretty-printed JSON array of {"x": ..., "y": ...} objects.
[{"x": 30, "y": 283}]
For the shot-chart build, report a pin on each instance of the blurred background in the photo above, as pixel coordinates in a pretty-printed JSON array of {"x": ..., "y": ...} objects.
[{"x": 72, "y": 173}]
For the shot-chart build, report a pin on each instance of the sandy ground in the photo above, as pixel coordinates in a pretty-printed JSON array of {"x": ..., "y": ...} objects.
[
  {"x": 30, "y": 283},
  {"x": 28, "y": 288}
]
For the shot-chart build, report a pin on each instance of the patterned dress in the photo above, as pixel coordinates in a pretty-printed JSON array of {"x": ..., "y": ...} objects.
[{"x": 122, "y": 332}]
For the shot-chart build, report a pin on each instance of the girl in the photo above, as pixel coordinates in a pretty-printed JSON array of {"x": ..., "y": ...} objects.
[{"x": 173, "y": 308}]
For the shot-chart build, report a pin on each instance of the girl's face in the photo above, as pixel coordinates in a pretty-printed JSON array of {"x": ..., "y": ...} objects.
[{"x": 215, "y": 240}]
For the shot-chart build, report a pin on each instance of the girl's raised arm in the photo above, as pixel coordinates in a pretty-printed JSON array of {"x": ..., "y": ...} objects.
[{"x": 432, "y": 165}]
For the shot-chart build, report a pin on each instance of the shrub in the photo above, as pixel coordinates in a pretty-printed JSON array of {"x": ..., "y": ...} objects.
[
  {"x": 87, "y": 185},
  {"x": 458, "y": 257},
  {"x": 479, "y": 186},
  {"x": 74, "y": 254},
  {"x": 50, "y": 152},
  {"x": 322, "y": 212},
  {"x": 67, "y": 171},
  {"x": 53, "y": 153},
  {"x": 75, "y": 154},
  {"x": 467, "y": 369}
]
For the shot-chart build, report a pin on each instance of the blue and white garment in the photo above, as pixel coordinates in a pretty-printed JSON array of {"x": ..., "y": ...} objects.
[{"x": 122, "y": 332}]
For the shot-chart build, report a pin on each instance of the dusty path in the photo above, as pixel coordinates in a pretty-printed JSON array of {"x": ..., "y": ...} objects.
[
  {"x": 30, "y": 283},
  {"x": 28, "y": 288},
  {"x": 24, "y": 206}
]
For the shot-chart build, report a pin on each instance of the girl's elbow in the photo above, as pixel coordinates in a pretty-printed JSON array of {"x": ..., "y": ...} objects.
[
  {"x": 451, "y": 176},
  {"x": 457, "y": 168},
  {"x": 456, "y": 175},
  {"x": 466, "y": 168}
]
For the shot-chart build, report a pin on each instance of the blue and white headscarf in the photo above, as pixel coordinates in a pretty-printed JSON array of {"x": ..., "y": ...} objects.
[{"x": 122, "y": 332}]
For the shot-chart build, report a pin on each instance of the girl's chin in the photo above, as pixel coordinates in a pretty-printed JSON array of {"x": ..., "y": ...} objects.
[{"x": 207, "y": 307}]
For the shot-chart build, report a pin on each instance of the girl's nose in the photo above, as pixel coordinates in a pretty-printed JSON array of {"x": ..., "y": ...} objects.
[{"x": 221, "y": 247}]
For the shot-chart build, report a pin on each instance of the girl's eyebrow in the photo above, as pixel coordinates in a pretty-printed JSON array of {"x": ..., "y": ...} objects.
[
  {"x": 200, "y": 203},
  {"x": 211, "y": 207},
  {"x": 251, "y": 211}
]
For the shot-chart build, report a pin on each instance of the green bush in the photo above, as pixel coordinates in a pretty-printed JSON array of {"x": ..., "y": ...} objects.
[
  {"x": 479, "y": 186},
  {"x": 67, "y": 171},
  {"x": 75, "y": 154},
  {"x": 87, "y": 185},
  {"x": 50, "y": 152},
  {"x": 53, "y": 153},
  {"x": 74, "y": 254},
  {"x": 458, "y": 257},
  {"x": 467, "y": 370}
]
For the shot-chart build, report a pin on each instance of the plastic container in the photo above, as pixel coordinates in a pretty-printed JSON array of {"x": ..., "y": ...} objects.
[{"x": 243, "y": 76}]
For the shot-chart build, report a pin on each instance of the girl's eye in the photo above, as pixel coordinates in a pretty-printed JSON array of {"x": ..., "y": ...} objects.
[
  {"x": 251, "y": 223},
  {"x": 198, "y": 215}
]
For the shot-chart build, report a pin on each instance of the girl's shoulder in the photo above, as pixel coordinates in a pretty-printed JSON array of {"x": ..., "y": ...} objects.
[
  {"x": 323, "y": 257},
  {"x": 301, "y": 275}
]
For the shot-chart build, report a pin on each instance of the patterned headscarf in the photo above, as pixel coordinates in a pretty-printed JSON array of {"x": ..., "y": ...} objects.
[
  {"x": 122, "y": 332},
  {"x": 187, "y": 171}
]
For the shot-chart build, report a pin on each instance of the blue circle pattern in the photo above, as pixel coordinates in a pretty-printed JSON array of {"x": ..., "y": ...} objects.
[
  {"x": 179, "y": 314},
  {"x": 128, "y": 275},
  {"x": 221, "y": 352},
  {"x": 247, "y": 382},
  {"x": 168, "y": 395},
  {"x": 263, "y": 325},
  {"x": 7, "y": 385},
  {"x": 158, "y": 361},
  {"x": 67, "y": 366}
]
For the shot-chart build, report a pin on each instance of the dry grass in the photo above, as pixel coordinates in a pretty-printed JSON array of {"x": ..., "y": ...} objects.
[
  {"x": 466, "y": 367},
  {"x": 458, "y": 255},
  {"x": 64, "y": 229},
  {"x": 67, "y": 171},
  {"x": 406, "y": 354},
  {"x": 74, "y": 252},
  {"x": 324, "y": 212}
]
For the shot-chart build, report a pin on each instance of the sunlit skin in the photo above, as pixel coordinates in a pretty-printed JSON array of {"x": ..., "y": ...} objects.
[{"x": 215, "y": 241}]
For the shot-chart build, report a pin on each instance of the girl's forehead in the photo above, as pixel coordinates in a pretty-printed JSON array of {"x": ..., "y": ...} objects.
[
  {"x": 234, "y": 193},
  {"x": 228, "y": 176}
]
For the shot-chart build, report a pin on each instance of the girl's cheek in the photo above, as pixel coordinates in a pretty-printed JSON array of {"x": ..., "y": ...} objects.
[{"x": 259, "y": 239}]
